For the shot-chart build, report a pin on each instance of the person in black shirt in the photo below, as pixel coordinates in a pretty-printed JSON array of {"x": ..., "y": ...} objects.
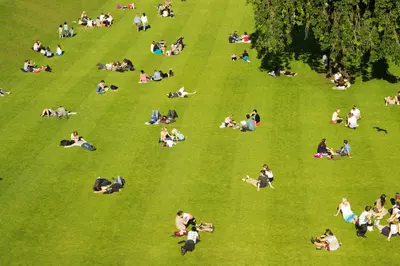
[
  {"x": 256, "y": 117},
  {"x": 322, "y": 149}
]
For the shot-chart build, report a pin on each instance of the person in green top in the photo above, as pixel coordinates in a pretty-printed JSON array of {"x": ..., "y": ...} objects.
[{"x": 250, "y": 125}]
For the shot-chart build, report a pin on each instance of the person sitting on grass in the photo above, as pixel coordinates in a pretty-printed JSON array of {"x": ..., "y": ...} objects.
[
  {"x": 390, "y": 230},
  {"x": 335, "y": 117},
  {"x": 345, "y": 208},
  {"x": 245, "y": 56},
  {"x": 59, "y": 51},
  {"x": 180, "y": 224},
  {"x": 128, "y": 64},
  {"x": 323, "y": 150},
  {"x": 351, "y": 121},
  {"x": 342, "y": 84},
  {"x": 166, "y": 138},
  {"x": 379, "y": 206},
  {"x": 180, "y": 93},
  {"x": 234, "y": 57},
  {"x": 193, "y": 237},
  {"x": 392, "y": 100},
  {"x": 37, "y": 46},
  {"x": 327, "y": 241},
  {"x": 143, "y": 77},
  {"x": 177, "y": 135},
  {"x": 229, "y": 122},
  {"x": 254, "y": 115},
  {"x": 236, "y": 37},
  {"x": 248, "y": 125},
  {"x": 28, "y": 66},
  {"x": 337, "y": 77},
  {"x": 155, "y": 48},
  {"x": 245, "y": 38},
  {"x": 345, "y": 150},
  {"x": 48, "y": 53},
  {"x": 101, "y": 88},
  {"x": 157, "y": 76},
  {"x": 356, "y": 112},
  {"x": 262, "y": 181},
  {"x": 2, "y": 92}
]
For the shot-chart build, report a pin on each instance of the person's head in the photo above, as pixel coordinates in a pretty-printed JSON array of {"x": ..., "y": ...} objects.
[
  {"x": 344, "y": 200},
  {"x": 338, "y": 72},
  {"x": 345, "y": 142},
  {"x": 266, "y": 167},
  {"x": 59, "y": 46},
  {"x": 245, "y": 51},
  {"x": 323, "y": 141},
  {"x": 144, "y": 14},
  {"x": 60, "y": 26},
  {"x": 337, "y": 110},
  {"x": 65, "y": 23},
  {"x": 245, "y": 33},
  {"x": 328, "y": 232},
  {"x": 72, "y": 28},
  {"x": 194, "y": 229},
  {"x": 179, "y": 213},
  {"x": 102, "y": 81},
  {"x": 141, "y": 71},
  {"x": 354, "y": 107},
  {"x": 75, "y": 133},
  {"x": 383, "y": 198},
  {"x": 368, "y": 208},
  {"x": 247, "y": 116},
  {"x": 255, "y": 111},
  {"x": 98, "y": 17}
]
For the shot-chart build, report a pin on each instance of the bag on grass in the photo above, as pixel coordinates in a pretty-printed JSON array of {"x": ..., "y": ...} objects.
[
  {"x": 205, "y": 227},
  {"x": 66, "y": 142}
]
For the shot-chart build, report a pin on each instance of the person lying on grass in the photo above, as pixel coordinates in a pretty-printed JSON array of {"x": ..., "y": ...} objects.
[
  {"x": 248, "y": 125},
  {"x": 278, "y": 73},
  {"x": 157, "y": 118},
  {"x": 265, "y": 179},
  {"x": 327, "y": 241},
  {"x": 78, "y": 141},
  {"x": 60, "y": 112},
  {"x": 180, "y": 93},
  {"x": 3, "y": 93},
  {"x": 100, "y": 187},
  {"x": 392, "y": 100}
]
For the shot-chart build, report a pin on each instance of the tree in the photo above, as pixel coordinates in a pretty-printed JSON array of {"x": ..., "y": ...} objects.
[{"x": 354, "y": 34}]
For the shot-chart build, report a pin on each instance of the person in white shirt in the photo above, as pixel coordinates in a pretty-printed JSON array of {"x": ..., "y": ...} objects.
[
  {"x": 363, "y": 221},
  {"x": 335, "y": 117},
  {"x": 356, "y": 112},
  {"x": 352, "y": 121},
  {"x": 345, "y": 208},
  {"x": 110, "y": 19},
  {"x": 101, "y": 17},
  {"x": 89, "y": 23},
  {"x": 337, "y": 77},
  {"x": 144, "y": 21},
  {"x": 59, "y": 51},
  {"x": 192, "y": 238},
  {"x": 327, "y": 241}
]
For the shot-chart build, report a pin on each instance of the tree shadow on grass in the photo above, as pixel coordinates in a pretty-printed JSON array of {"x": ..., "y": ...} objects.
[{"x": 378, "y": 70}]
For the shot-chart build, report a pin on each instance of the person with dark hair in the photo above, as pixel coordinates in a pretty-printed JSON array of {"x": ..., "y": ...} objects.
[
  {"x": 335, "y": 117},
  {"x": 248, "y": 125},
  {"x": 129, "y": 64},
  {"x": 101, "y": 88},
  {"x": 105, "y": 187},
  {"x": 322, "y": 149},
  {"x": 245, "y": 56},
  {"x": 264, "y": 179},
  {"x": 256, "y": 117},
  {"x": 144, "y": 21},
  {"x": 345, "y": 150},
  {"x": 193, "y": 237},
  {"x": 363, "y": 221},
  {"x": 157, "y": 76},
  {"x": 180, "y": 224},
  {"x": 327, "y": 241}
]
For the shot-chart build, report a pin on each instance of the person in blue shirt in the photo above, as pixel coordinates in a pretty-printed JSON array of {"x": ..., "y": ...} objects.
[
  {"x": 100, "y": 89},
  {"x": 157, "y": 76},
  {"x": 249, "y": 124},
  {"x": 345, "y": 150},
  {"x": 66, "y": 32}
]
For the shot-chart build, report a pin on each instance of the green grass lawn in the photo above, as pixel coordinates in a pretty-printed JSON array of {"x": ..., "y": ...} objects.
[{"x": 49, "y": 214}]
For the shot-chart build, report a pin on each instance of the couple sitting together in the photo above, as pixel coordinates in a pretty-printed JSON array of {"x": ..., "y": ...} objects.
[
  {"x": 265, "y": 178},
  {"x": 351, "y": 119},
  {"x": 170, "y": 139},
  {"x": 324, "y": 151},
  {"x": 157, "y": 118},
  {"x": 117, "y": 66},
  {"x": 165, "y": 11},
  {"x": 104, "y": 186},
  {"x": 158, "y": 75},
  {"x": 78, "y": 141},
  {"x": 235, "y": 38},
  {"x": 102, "y": 88},
  {"x": 277, "y": 73},
  {"x": 59, "y": 112},
  {"x": 253, "y": 121},
  {"x": 392, "y": 100},
  {"x": 180, "y": 93},
  {"x": 245, "y": 57},
  {"x": 29, "y": 66},
  {"x": 160, "y": 47},
  {"x": 340, "y": 82}
]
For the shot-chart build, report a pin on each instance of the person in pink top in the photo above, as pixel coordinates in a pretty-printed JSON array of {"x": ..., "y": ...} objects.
[
  {"x": 143, "y": 77},
  {"x": 245, "y": 37}
]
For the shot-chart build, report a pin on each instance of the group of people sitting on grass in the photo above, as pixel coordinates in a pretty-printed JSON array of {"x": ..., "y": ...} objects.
[
  {"x": 170, "y": 139},
  {"x": 165, "y": 10},
  {"x": 352, "y": 117},
  {"x": 64, "y": 31},
  {"x": 102, "y": 88},
  {"x": 29, "y": 66},
  {"x": 324, "y": 152},
  {"x": 265, "y": 178},
  {"x": 104, "y": 20},
  {"x": 372, "y": 216},
  {"x": 393, "y": 100},
  {"x": 235, "y": 38},
  {"x": 253, "y": 121},
  {"x": 156, "y": 117},
  {"x": 104, "y": 186},
  {"x": 340, "y": 82},
  {"x": 160, "y": 47},
  {"x": 158, "y": 75},
  {"x": 3, "y": 92},
  {"x": 77, "y": 141},
  {"x": 277, "y": 73},
  {"x": 245, "y": 57},
  {"x": 59, "y": 112},
  {"x": 46, "y": 51},
  {"x": 125, "y": 65}
]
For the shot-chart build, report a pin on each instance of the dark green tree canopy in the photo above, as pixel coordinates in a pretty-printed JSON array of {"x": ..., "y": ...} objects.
[{"x": 354, "y": 34}]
